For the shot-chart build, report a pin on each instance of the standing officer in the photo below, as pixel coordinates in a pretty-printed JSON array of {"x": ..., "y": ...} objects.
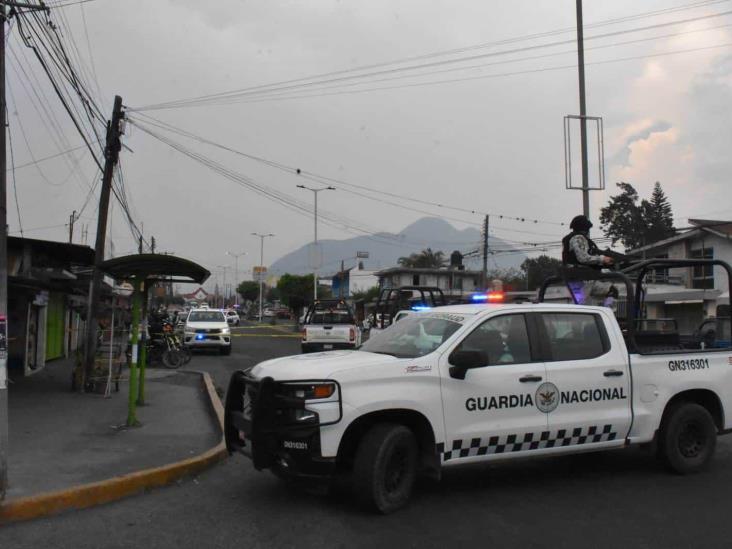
[{"x": 579, "y": 250}]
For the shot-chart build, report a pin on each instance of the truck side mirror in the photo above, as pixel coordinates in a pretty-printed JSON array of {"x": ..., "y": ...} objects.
[{"x": 462, "y": 361}]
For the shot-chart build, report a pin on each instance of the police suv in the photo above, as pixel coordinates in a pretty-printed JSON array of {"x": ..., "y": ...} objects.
[{"x": 472, "y": 383}]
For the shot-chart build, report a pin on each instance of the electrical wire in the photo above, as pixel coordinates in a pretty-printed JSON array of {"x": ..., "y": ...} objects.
[
  {"x": 317, "y": 81},
  {"x": 12, "y": 164}
]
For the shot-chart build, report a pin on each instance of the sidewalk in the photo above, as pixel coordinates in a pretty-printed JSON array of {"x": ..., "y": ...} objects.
[{"x": 60, "y": 439}]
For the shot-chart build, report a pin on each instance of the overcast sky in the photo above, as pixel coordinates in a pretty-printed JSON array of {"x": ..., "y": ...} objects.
[{"x": 493, "y": 143}]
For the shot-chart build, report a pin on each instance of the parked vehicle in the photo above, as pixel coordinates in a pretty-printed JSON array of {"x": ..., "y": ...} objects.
[
  {"x": 329, "y": 324},
  {"x": 207, "y": 328},
  {"x": 393, "y": 300},
  {"x": 465, "y": 384},
  {"x": 232, "y": 317}
]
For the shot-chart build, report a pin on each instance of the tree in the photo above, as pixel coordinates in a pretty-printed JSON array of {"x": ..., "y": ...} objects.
[
  {"x": 367, "y": 295},
  {"x": 295, "y": 290},
  {"x": 637, "y": 224},
  {"x": 538, "y": 269},
  {"x": 273, "y": 294},
  {"x": 426, "y": 259},
  {"x": 658, "y": 216},
  {"x": 249, "y": 290}
]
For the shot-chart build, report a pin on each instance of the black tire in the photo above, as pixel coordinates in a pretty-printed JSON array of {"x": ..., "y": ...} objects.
[
  {"x": 186, "y": 355},
  {"x": 385, "y": 467},
  {"x": 225, "y": 350},
  {"x": 172, "y": 359},
  {"x": 687, "y": 439}
]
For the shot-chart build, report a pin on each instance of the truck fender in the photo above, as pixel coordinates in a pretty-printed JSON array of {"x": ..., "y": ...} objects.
[
  {"x": 416, "y": 421},
  {"x": 704, "y": 397}
]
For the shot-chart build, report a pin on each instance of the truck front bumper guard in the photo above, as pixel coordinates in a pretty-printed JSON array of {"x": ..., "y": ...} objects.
[{"x": 258, "y": 423}]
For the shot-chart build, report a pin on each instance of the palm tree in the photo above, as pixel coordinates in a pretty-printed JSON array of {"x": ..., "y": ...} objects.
[{"x": 426, "y": 259}]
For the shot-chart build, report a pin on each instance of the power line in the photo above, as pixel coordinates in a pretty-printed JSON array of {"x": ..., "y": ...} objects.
[
  {"x": 43, "y": 159},
  {"x": 319, "y": 80},
  {"x": 12, "y": 164},
  {"x": 320, "y": 178}
]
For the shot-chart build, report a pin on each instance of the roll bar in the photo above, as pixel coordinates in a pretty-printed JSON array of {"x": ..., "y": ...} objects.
[{"x": 637, "y": 271}]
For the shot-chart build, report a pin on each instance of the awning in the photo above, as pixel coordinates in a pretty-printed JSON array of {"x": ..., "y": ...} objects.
[{"x": 155, "y": 267}]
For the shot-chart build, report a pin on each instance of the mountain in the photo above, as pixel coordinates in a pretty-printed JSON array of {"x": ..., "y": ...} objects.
[{"x": 385, "y": 248}]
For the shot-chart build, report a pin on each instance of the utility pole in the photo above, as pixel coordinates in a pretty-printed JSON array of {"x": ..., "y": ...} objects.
[
  {"x": 236, "y": 274},
  {"x": 72, "y": 219},
  {"x": 152, "y": 244},
  {"x": 261, "y": 266},
  {"x": 340, "y": 280},
  {"x": 583, "y": 111},
  {"x": 111, "y": 156},
  {"x": 486, "y": 222},
  {"x": 315, "y": 238},
  {"x": 4, "y": 250}
]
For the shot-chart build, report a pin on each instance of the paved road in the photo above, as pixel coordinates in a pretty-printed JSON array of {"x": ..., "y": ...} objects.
[{"x": 617, "y": 499}]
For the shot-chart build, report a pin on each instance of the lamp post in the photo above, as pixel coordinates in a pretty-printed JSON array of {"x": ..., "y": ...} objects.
[
  {"x": 261, "y": 262},
  {"x": 315, "y": 237},
  {"x": 236, "y": 274},
  {"x": 223, "y": 285}
]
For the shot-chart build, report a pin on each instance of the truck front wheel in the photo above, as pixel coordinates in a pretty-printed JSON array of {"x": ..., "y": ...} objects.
[
  {"x": 385, "y": 467},
  {"x": 687, "y": 439}
]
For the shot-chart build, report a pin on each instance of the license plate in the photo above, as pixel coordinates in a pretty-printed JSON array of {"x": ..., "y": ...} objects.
[
  {"x": 247, "y": 406},
  {"x": 327, "y": 346}
]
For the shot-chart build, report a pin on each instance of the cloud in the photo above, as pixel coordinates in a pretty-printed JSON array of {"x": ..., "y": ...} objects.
[{"x": 645, "y": 134}]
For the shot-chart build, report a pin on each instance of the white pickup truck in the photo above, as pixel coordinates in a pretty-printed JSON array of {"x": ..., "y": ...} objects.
[
  {"x": 472, "y": 383},
  {"x": 329, "y": 325}
]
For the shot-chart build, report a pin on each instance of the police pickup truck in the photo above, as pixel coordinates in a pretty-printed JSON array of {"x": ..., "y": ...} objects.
[
  {"x": 329, "y": 325},
  {"x": 465, "y": 384}
]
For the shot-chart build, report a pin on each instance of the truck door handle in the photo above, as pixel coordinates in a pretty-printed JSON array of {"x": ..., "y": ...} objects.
[
  {"x": 527, "y": 379},
  {"x": 613, "y": 373}
]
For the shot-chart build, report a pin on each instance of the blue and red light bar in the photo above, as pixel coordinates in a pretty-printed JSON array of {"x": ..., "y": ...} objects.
[{"x": 489, "y": 297}]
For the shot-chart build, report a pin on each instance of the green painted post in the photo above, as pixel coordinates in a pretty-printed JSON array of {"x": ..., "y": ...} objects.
[
  {"x": 143, "y": 348},
  {"x": 131, "y": 419}
]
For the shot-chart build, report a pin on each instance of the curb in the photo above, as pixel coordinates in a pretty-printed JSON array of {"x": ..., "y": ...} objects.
[{"x": 115, "y": 488}]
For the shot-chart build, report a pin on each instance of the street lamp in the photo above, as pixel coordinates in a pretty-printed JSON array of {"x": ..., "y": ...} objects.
[
  {"x": 261, "y": 266},
  {"x": 315, "y": 238},
  {"x": 236, "y": 273},
  {"x": 223, "y": 289}
]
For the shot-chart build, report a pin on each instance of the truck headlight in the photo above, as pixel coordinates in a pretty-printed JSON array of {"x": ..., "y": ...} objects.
[
  {"x": 225, "y": 331},
  {"x": 312, "y": 391}
]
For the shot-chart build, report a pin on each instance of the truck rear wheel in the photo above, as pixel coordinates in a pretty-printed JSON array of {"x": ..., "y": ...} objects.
[
  {"x": 687, "y": 439},
  {"x": 385, "y": 467}
]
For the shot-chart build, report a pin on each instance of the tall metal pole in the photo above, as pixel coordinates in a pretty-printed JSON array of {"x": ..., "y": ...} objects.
[
  {"x": 485, "y": 252},
  {"x": 316, "y": 256},
  {"x": 111, "y": 156},
  {"x": 261, "y": 264},
  {"x": 3, "y": 276},
  {"x": 236, "y": 274},
  {"x": 315, "y": 235},
  {"x": 583, "y": 111},
  {"x": 72, "y": 220}
]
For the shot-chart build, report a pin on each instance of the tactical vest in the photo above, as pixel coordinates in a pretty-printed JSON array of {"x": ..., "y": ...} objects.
[{"x": 568, "y": 255}]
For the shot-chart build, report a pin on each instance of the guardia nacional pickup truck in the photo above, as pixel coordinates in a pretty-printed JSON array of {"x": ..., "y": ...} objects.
[{"x": 471, "y": 383}]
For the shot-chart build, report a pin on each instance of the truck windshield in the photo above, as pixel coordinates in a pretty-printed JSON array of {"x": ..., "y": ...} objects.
[
  {"x": 206, "y": 316},
  {"x": 414, "y": 336}
]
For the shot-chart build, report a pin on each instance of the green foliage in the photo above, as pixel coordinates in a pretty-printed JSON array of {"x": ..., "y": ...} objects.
[
  {"x": 249, "y": 290},
  {"x": 635, "y": 223},
  {"x": 272, "y": 295},
  {"x": 537, "y": 269},
  {"x": 295, "y": 290},
  {"x": 426, "y": 259},
  {"x": 367, "y": 295}
]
